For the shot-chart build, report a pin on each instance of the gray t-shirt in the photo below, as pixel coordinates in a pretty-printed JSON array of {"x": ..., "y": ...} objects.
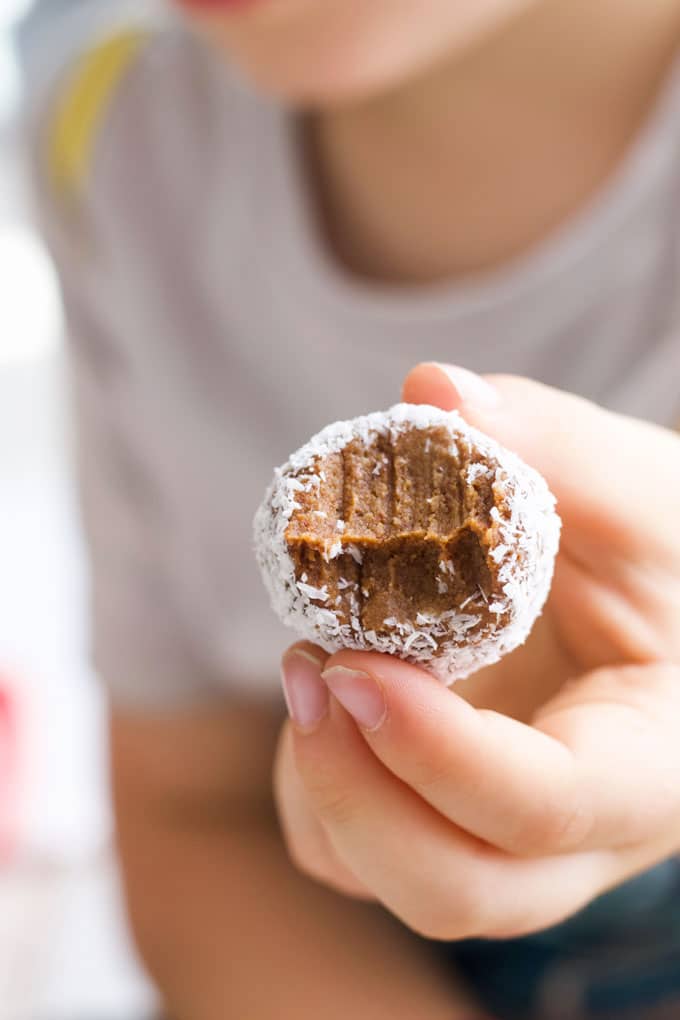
[{"x": 212, "y": 333}]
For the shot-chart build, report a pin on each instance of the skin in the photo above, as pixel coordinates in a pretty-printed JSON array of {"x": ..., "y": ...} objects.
[
  {"x": 519, "y": 818},
  {"x": 336, "y": 52},
  {"x": 485, "y": 93},
  {"x": 483, "y": 97}
]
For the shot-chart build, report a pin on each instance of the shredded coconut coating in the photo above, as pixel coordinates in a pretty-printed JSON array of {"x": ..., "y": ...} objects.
[{"x": 522, "y": 546}]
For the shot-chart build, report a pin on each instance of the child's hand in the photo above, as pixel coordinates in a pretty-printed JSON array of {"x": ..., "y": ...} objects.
[{"x": 467, "y": 821}]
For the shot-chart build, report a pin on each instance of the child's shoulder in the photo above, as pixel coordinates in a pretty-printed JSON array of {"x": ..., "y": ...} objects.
[{"x": 138, "y": 100}]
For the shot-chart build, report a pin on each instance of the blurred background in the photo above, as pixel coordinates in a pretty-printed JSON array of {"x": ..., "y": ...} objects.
[{"x": 65, "y": 953}]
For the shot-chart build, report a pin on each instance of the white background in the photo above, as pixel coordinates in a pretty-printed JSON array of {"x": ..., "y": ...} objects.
[{"x": 64, "y": 950}]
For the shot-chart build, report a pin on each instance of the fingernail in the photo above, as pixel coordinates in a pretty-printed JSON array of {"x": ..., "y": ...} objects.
[
  {"x": 359, "y": 693},
  {"x": 471, "y": 388},
  {"x": 305, "y": 692}
]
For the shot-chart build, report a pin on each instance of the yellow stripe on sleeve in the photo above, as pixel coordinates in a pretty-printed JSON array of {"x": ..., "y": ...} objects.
[{"x": 82, "y": 107}]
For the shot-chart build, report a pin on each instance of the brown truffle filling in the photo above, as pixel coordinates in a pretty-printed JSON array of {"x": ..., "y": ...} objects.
[{"x": 397, "y": 529}]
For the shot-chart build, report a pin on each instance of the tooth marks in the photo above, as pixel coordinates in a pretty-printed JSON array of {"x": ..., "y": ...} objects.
[
  {"x": 384, "y": 520},
  {"x": 448, "y": 510},
  {"x": 388, "y": 461}
]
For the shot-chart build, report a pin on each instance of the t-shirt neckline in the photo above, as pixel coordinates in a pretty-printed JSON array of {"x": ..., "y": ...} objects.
[{"x": 298, "y": 240}]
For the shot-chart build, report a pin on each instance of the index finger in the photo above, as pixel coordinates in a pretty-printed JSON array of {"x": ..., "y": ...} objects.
[
  {"x": 497, "y": 779},
  {"x": 574, "y": 785}
]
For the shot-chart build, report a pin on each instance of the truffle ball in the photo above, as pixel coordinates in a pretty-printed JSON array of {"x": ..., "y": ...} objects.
[{"x": 409, "y": 532}]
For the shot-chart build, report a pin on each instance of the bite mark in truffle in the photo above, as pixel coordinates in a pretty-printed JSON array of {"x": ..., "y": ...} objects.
[
  {"x": 423, "y": 513},
  {"x": 409, "y": 532}
]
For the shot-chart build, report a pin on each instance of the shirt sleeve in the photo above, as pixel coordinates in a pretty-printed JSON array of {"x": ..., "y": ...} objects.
[
  {"x": 142, "y": 646},
  {"x": 54, "y": 34},
  {"x": 73, "y": 54}
]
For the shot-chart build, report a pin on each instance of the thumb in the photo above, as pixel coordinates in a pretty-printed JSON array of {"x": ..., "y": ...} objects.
[{"x": 606, "y": 470}]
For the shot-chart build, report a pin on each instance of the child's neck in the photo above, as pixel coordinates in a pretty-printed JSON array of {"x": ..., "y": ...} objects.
[{"x": 474, "y": 163}]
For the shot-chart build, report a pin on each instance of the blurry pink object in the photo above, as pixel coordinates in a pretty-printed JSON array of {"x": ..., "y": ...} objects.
[{"x": 9, "y": 769}]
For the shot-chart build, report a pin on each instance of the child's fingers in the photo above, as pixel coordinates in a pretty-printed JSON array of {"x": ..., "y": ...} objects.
[
  {"x": 308, "y": 845},
  {"x": 504, "y": 782},
  {"x": 575, "y": 785},
  {"x": 621, "y": 726},
  {"x": 391, "y": 839},
  {"x": 602, "y": 467},
  {"x": 439, "y": 880}
]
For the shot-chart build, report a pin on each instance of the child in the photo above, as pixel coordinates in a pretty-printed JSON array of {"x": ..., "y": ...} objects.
[{"x": 263, "y": 216}]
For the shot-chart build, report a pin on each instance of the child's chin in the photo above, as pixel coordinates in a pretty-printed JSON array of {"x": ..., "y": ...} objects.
[
  {"x": 319, "y": 53},
  {"x": 319, "y": 83},
  {"x": 311, "y": 92}
]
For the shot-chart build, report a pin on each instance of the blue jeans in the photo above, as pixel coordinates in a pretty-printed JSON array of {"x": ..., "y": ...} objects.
[{"x": 617, "y": 960}]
